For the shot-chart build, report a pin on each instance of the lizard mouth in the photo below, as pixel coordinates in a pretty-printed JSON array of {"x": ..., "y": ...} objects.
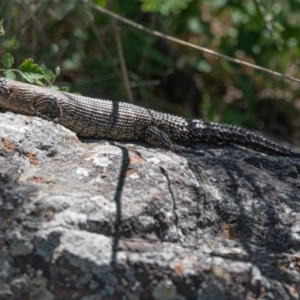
[{"x": 12, "y": 100}]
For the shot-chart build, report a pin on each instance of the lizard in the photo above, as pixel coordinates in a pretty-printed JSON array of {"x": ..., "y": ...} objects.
[{"x": 105, "y": 119}]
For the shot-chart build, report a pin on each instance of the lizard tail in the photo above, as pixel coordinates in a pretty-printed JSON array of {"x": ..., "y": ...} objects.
[{"x": 202, "y": 131}]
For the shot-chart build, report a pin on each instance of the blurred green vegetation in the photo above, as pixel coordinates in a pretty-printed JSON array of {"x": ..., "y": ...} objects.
[{"x": 167, "y": 76}]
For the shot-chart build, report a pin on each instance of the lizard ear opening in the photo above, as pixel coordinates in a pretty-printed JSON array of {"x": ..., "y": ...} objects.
[{"x": 47, "y": 108}]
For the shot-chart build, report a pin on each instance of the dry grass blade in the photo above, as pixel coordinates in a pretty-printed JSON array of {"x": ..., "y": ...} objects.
[
  {"x": 176, "y": 40},
  {"x": 122, "y": 61}
]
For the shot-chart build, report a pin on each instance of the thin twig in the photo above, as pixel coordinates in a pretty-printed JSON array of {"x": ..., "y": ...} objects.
[
  {"x": 90, "y": 22},
  {"x": 122, "y": 61},
  {"x": 175, "y": 40}
]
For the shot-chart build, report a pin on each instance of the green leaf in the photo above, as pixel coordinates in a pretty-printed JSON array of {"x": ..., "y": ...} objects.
[
  {"x": 9, "y": 74},
  {"x": 7, "y": 60},
  {"x": 31, "y": 77},
  {"x": 64, "y": 89},
  {"x": 29, "y": 66},
  {"x": 49, "y": 75},
  {"x": 40, "y": 83},
  {"x": 30, "y": 71}
]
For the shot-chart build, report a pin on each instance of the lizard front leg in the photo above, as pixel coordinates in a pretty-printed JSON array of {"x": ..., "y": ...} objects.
[
  {"x": 157, "y": 137},
  {"x": 47, "y": 107}
]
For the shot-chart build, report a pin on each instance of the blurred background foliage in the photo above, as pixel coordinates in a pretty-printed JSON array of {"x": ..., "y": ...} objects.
[{"x": 166, "y": 76}]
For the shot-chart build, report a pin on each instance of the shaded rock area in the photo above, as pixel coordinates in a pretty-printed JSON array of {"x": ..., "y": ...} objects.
[{"x": 109, "y": 220}]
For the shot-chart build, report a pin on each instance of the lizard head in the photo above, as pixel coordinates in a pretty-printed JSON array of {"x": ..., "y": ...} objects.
[{"x": 15, "y": 96}]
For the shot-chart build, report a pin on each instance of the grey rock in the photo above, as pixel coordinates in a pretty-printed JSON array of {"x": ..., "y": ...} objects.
[
  {"x": 20, "y": 285},
  {"x": 5, "y": 291},
  {"x": 41, "y": 293},
  {"x": 92, "y": 219}
]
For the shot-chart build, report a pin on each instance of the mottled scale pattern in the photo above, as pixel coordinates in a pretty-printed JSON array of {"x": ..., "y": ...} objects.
[
  {"x": 190, "y": 131},
  {"x": 97, "y": 118},
  {"x": 90, "y": 117}
]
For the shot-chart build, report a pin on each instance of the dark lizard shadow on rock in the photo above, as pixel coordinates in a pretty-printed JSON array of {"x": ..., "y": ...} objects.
[
  {"x": 259, "y": 232},
  {"x": 280, "y": 167},
  {"x": 117, "y": 200}
]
